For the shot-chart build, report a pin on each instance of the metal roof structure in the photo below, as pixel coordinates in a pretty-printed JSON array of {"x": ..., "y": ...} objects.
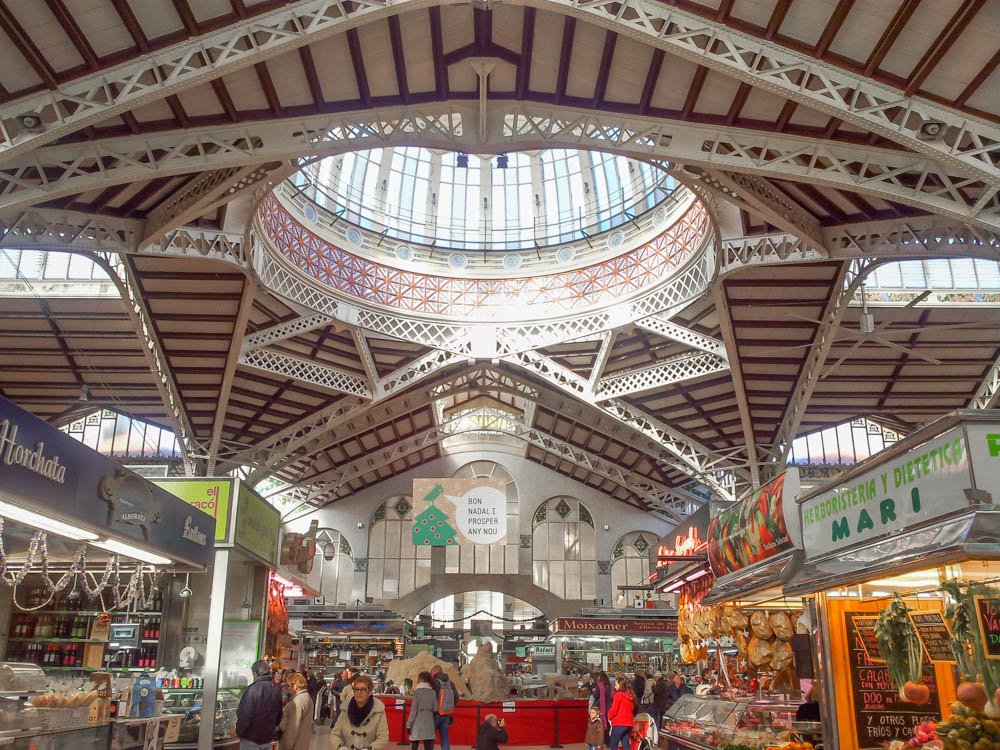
[{"x": 822, "y": 140}]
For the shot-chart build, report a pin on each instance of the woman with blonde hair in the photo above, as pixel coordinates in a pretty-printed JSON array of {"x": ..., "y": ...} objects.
[
  {"x": 362, "y": 722},
  {"x": 296, "y": 728}
]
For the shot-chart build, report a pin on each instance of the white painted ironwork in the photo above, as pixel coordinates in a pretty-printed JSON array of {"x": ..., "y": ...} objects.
[
  {"x": 679, "y": 451},
  {"x": 286, "y": 330},
  {"x": 90, "y": 99},
  {"x": 967, "y": 143},
  {"x": 662, "y": 327},
  {"x": 988, "y": 392},
  {"x": 843, "y": 288},
  {"x": 407, "y": 375},
  {"x": 119, "y": 268},
  {"x": 607, "y": 344},
  {"x": 676, "y": 370},
  {"x": 57, "y": 171},
  {"x": 325, "y": 376}
]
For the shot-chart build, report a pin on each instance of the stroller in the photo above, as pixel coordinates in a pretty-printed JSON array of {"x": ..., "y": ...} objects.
[{"x": 644, "y": 733}]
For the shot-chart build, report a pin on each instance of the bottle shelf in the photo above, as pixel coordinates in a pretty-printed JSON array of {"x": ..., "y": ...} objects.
[{"x": 54, "y": 640}]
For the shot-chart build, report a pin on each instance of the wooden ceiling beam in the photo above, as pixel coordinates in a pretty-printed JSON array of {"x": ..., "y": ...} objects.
[
  {"x": 979, "y": 80},
  {"x": 604, "y": 69},
  {"x": 890, "y": 35},
  {"x": 358, "y": 62},
  {"x": 22, "y": 40},
  {"x": 72, "y": 29},
  {"x": 944, "y": 42},
  {"x": 565, "y": 56},
  {"x": 270, "y": 92},
  {"x": 131, "y": 23},
  {"x": 832, "y": 27},
  {"x": 527, "y": 48},
  {"x": 652, "y": 76},
  {"x": 777, "y": 18},
  {"x": 222, "y": 94},
  {"x": 186, "y": 15},
  {"x": 399, "y": 58}
]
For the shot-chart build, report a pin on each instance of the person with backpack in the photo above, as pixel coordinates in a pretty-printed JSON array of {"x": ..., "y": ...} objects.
[{"x": 446, "y": 694}]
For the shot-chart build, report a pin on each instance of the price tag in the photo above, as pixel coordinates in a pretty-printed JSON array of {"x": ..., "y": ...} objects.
[
  {"x": 508, "y": 707},
  {"x": 934, "y": 634}
]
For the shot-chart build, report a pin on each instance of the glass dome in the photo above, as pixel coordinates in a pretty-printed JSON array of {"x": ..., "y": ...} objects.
[{"x": 483, "y": 203}]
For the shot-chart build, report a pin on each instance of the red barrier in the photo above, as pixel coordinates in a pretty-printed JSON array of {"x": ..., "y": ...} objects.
[{"x": 529, "y": 722}]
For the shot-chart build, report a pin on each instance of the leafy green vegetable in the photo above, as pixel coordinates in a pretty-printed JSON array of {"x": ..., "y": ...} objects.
[{"x": 899, "y": 644}]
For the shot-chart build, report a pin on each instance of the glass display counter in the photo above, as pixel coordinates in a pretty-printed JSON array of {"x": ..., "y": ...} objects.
[
  {"x": 711, "y": 722},
  {"x": 188, "y": 704}
]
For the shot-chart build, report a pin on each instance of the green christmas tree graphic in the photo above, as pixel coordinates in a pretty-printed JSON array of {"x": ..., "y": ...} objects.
[{"x": 431, "y": 528}]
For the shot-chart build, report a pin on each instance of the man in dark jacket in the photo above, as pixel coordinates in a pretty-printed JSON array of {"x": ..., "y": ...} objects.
[
  {"x": 491, "y": 733},
  {"x": 259, "y": 712},
  {"x": 676, "y": 689},
  {"x": 659, "y": 697}
]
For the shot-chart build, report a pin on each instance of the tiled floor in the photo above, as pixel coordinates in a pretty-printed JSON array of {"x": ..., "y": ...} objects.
[{"x": 322, "y": 742}]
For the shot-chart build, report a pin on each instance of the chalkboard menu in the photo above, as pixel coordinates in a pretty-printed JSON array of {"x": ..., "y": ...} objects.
[
  {"x": 934, "y": 634},
  {"x": 988, "y": 614},
  {"x": 880, "y": 714},
  {"x": 865, "y": 627}
]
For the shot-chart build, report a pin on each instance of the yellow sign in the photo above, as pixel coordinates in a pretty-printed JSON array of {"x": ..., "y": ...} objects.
[{"x": 211, "y": 496}]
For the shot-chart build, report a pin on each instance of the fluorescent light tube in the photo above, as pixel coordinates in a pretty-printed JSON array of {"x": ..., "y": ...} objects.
[
  {"x": 30, "y": 518},
  {"x": 120, "y": 548}
]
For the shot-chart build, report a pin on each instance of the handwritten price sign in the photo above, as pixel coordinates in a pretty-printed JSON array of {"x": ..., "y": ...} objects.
[{"x": 988, "y": 614}]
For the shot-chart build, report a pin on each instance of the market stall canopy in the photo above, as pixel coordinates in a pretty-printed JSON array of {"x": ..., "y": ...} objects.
[
  {"x": 750, "y": 543},
  {"x": 50, "y": 474},
  {"x": 926, "y": 501}
]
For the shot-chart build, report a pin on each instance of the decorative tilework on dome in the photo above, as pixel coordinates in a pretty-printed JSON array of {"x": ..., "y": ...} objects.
[{"x": 551, "y": 294}]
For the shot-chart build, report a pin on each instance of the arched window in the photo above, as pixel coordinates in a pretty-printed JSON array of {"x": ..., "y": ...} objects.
[
  {"x": 506, "y": 612},
  {"x": 630, "y": 565},
  {"x": 336, "y": 567},
  {"x": 487, "y": 558},
  {"x": 564, "y": 548},
  {"x": 396, "y": 566}
]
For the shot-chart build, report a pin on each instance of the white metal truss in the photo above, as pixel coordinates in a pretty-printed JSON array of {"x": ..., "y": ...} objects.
[
  {"x": 674, "y": 370},
  {"x": 660, "y": 497},
  {"x": 662, "y": 327},
  {"x": 55, "y": 171},
  {"x": 601, "y": 360},
  {"x": 313, "y": 373},
  {"x": 119, "y": 267},
  {"x": 894, "y": 175},
  {"x": 895, "y": 239},
  {"x": 967, "y": 143},
  {"x": 366, "y": 358},
  {"x": 282, "y": 331},
  {"x": 404, "y": 377},
  {"x": 56, "y": 229},
  {"x": 843, "y": 289},
  {"x": 760, "y": 198},
  {"x": 679, "y": 451},
  {"x": 90, "y": 99},
  {"x": 988, "y": 393}
]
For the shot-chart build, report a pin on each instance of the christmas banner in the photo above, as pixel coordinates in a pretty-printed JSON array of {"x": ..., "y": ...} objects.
[{"x": 451, "y": 511}]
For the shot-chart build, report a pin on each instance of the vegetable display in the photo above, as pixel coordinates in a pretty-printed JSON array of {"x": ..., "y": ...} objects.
[
  {"x": 966, "y": 641},
  {"x": 967, "y": 729},
  {"x": 900, "y": 645}
]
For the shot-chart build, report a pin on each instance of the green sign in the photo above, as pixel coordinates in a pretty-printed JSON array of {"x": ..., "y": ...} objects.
[
  {"x": 242, "y": 639},
  {"x": 519, "y": 651},
  {"x": 257, "y": 525},
  {"x": 211, "y": 496},
  {"x": 628, "y": 644}
]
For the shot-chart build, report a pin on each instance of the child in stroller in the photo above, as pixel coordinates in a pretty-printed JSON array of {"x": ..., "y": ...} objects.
[{"x": 644, "y": 733}]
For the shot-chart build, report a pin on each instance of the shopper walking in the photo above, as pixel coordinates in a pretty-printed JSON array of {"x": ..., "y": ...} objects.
[
  {"x": 601, "y": 697},
  {"x": 622, "y": 714},
  {"x": 675, "y": 690},
  {"x": 446, "y": 698},
  {"x": 639, "y": 685},
  {"x": 362, "y": 723},
  {"x": 491, "y": 733},
  {"x": 659, "y": 697},
  {"x": 296, "y": 729},
  {"x": 421, "y": 722},
  {"x": 259, "y": 710}
]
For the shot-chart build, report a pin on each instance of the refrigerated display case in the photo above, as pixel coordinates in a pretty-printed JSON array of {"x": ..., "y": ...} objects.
[
  {"x": 709, "y": 722},
  {"x": 188, "y": 704}
]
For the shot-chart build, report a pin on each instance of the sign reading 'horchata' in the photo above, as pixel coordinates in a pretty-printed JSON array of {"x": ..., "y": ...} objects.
[{"x": 922, "y": 484}]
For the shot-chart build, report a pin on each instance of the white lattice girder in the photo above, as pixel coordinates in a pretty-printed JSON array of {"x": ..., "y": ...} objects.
[
  {"x": 676, "y": 370},
  {"x": 988, "y": 392},
  {"x": 601, "y": 360},
  {"x": 119, "y": 268},
  {"x": 198, "y": 197},
  {"x": 894, "y": 175},
  {"x": 406, "y": 376},
  {"x": 679, "y": 451},
  {"x": 662, "y": 327},
  {"x": 659, "y": 496},
  {"x": 282, "y": 331},
  {"x": 56, "y": 229},
  {"x": 914, "y": 179},
  {"x": 324, "y": 376},
  {"x": 762, "y": 199},
  {"x": 474, "y": 340},
  {"x": 91, "y": 99},
  {"x": 896, "y": 239},
  {"x": 969, "y": 143},
  {"x": 842, "y": 292}
]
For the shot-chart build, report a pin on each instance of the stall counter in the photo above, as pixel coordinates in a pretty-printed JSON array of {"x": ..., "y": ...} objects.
[{"x": 532, "y": 722}]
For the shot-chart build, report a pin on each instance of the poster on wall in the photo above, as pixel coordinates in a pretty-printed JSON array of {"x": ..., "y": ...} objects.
[
  {"x": 448, "y": 512},
  {"x": 755, "y": 528},
  {"x": 242, "y": 649}
]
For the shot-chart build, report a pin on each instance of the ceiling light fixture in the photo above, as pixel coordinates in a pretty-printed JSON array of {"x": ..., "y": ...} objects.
[
  {"x": 30, "y": 518},
  {"x": 120, "y": 548}
]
